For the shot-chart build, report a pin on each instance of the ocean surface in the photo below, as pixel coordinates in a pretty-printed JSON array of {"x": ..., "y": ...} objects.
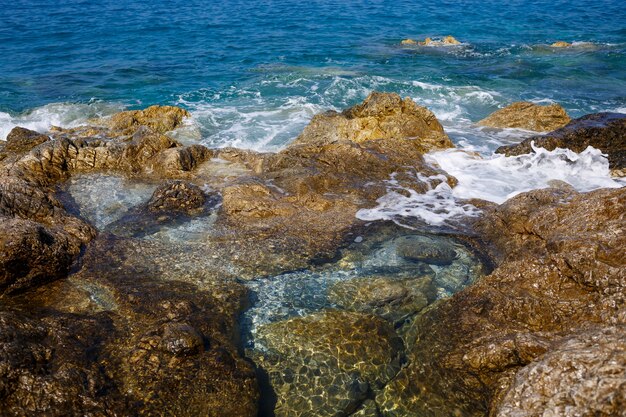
[{"x": 254, "y": 73}]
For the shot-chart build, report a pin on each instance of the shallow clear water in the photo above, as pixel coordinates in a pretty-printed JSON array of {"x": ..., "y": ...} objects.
[{"x": 253, "y": 73}]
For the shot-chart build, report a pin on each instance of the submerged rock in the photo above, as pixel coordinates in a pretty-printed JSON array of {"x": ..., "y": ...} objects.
[
  {"x": 325, "y": 363},
  {"x": 560, "y": 269},
  {"x": 430, "y": 251},
  {"x": 391, "y": 298},
  {"x": 529, "y": 116},
  {"x": 604, "y": 131}
]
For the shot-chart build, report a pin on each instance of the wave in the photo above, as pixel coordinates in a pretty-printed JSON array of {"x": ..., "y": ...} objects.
[
  {"x": 496, "y": 179},
  {"x": 56, "y": 114}
]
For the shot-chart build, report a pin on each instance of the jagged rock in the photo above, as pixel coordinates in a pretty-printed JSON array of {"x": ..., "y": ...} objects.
[
  {"x": 160, "y": 119},
  {"x": 604, "y": 131},
  {"x": 22, "y": 140},
  {"x": 380, "y": 116},
  {"x": 560, "y": 268},
  {"x": 408, "y": 42},
  {"x": 529, "y": 116},
  {"x": 582, "y": 375}
]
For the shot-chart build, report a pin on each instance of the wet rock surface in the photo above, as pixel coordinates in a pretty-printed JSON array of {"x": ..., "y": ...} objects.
[
  {"x": 604, "y": 131},
  {"x": 582, "y": 375},
  {"x": 560, "y": 270},
  {"x": 529, "y": 116}
]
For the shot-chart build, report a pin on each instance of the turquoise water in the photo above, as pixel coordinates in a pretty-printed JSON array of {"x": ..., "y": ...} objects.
[{"x": 253, "y": 73}]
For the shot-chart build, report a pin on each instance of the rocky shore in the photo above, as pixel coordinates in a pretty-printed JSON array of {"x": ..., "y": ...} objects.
[{"x": 522, "y": 313}]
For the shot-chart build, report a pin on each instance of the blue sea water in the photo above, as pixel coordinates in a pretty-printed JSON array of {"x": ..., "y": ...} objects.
[{"x": 253, "y": 73}]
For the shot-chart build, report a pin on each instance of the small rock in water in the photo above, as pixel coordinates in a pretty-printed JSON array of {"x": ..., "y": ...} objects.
[
  {"x": 358, "y": 239},
  {"x": 561, "y": 44},
  {"x": 181, "y": 339},
  {"x": 432, "y": 252},
  {"x": 528, "y": 116},
  {"x": 408, "y": 42}
]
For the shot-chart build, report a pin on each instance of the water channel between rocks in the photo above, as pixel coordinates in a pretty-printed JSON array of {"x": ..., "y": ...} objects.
[{"x": 325, "y": 340}]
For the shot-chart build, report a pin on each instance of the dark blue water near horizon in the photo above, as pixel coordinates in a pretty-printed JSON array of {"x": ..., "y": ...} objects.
[{"x": 255, "y": 72}]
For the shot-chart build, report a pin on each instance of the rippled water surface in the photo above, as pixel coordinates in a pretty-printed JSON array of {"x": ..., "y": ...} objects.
[{"x": 253, "y": 73}]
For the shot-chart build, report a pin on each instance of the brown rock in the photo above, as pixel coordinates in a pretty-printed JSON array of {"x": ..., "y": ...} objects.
[
  {"x": 604, "y": 131},
  {"x": 408, "y": 42},
  {"x": 529, "y": 116},
  {"x": 560, "y": 268},
  {"x": 380, "y": 116},
  {"x": 445, "y": 41},
  {"x": 176, "y": 196},
  {"x": 22, "y": 140},
  {"x": 160, "y": 119},
  {"x": 561, "y": 44},
  {"x": 582, "y": 375}
]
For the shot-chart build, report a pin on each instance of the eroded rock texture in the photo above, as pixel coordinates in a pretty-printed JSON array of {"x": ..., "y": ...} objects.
[
  {"x": 529, "y": 116},
  {"x": 561, "y": 270}
]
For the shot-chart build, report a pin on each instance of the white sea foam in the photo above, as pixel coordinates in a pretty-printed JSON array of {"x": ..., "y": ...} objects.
[
  {"x": 496, "y": 178},
  {"x": 56, "y": 114}
]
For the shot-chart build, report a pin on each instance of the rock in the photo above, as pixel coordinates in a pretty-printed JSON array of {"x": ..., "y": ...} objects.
[
  {"x": 138, "y": 340},
  {"x": 529, "y": 116},
  {"x": 32, "y": 254},
  {"x": 391, "y": 298},
  {"x": 23, "y": 140},
  {"x": 561, "y": 44},
  {"x": 435, "y": 252},
  {"x": 560, "y": 268},
  {"x": 324, "y": 363},
  {"x": 160, "y": 119},
  {"x": 604, "y": 131},
  {"x": 408, "y": 42},
  {"x": 354, "y": 342},
  {"x": 445, "y": 41},
  {"x": 176, "y": 196},
  {"x": 380, "y": 116},
  {"x": 582, "y": 375}
]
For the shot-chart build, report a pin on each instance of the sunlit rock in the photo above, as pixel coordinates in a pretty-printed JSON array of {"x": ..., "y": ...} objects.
[{"x": 529, "y": 116}]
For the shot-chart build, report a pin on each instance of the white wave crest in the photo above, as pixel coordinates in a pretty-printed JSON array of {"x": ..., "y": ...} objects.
[{"x": 56, "y": 114}]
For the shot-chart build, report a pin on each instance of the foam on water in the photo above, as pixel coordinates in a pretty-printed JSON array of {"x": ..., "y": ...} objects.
[
  {"x": 495, "y": 178},
  {"x": 56, "y": 114}
]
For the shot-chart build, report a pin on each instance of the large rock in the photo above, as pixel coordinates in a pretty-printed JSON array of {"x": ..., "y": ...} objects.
[
  {"x": 22, "y": 140},
  {"x": 560, "y": 269},
  {"x": 529, "y": 116},
  {"x": 380, "y": 116},
  {"x": 583, "y": 375},
  {"x": 604, "y": 131},
  {"x": 160, "y": 119}
]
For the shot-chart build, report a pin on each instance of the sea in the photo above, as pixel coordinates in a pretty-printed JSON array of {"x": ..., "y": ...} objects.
[{"x": 253, "y": 73}]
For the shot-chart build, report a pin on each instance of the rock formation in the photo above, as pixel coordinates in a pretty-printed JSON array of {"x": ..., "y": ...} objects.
[
  {"x": 604, "y": 131},
  {"x": 529, "y": 116},
  {"x": 560, "y": 272}
]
